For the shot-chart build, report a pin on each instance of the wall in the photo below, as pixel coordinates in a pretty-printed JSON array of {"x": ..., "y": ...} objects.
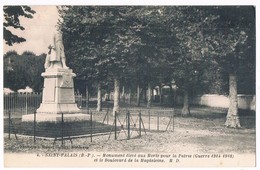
[{"x": 246, "y": 102}]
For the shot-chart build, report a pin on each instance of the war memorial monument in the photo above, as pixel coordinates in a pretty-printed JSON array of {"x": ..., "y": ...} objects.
[{"x": 58, "y": 91}]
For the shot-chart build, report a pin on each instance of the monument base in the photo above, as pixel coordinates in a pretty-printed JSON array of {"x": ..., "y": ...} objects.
[
  {"x": 58, "y": 108},
  {"x": 52, "y": 117},
  {"x": 58, "y": 97}
]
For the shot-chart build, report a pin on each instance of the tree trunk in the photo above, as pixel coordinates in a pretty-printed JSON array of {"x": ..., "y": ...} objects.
[
  {"x": 138, "y": 96},
  {"x": 116, "y": 95},
  {"x": 99, "y": 98},
  {"x": 232, "y": 119},
  {"x": 153, "y": 98},
  {"x": 145, "y": 95},
  {"x": 186, "y": 108},
  {"x": 87, "y": 98},
  {"x": 171, "y": 98},
  {"x": 149, "y": 95},
  {"x": 108, "y": 96},
  {"x": 123, "y": 93},
  {"x": 130, "y": 94},
  {"x": 160, "y": 95}
]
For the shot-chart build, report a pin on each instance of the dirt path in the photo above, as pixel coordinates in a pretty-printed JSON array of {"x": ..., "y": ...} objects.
[{"x": 193, "y": 135}]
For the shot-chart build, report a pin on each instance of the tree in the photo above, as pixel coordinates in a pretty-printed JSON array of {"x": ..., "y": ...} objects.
[
  {"x": 12, "y": 15},
  {"x": 236, "y": 40},
  {"x": 154, "y": 46},
  {"x": 99, "y": 98},
  {"x": 150, "y": 64},
  {"x": 82, "y": 46},
  {"x": 103, "y": 38},
  {"x": 34, "y": 66},
  {"x": 23, "y": 70},
  {"x": 189, "y": 56}
]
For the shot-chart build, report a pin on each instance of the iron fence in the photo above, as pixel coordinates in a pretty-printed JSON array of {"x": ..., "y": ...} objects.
[
  {"x": 26, "y": 103},
  {"x": 125, "y": 124},
  {"x": 129, "y": 122},
  {"x": 21, "y": 103}
]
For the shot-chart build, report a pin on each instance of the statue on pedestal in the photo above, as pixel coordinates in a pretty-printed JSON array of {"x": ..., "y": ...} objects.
[
  {"x": 58, "y": 96},
  {"x": 56, "y": 56}
]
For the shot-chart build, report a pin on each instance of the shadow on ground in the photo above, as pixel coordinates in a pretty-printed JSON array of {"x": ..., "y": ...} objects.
[{"x": 55, "y": 130}]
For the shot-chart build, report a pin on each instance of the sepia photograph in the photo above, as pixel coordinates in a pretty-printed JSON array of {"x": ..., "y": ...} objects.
[{"x": 129, "y": 86}]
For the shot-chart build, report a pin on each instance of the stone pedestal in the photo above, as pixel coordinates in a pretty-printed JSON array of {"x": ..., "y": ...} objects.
[{"x": 58, "y": 97}]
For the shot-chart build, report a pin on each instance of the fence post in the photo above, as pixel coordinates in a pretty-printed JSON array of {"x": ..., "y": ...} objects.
[
  {"x": 87, "y": 99},
  {"x": 62, "y": 121},
  {"x": 158, "y": 121},
  {"x": 81, "y": 103},
  {"x": 126, "y": 121},
  {"x": 34, "y": 127},
  {"x": 26, "y": 103},
  {"x": 107, "y": 112},
  {"x": 107, "y": 117},
  {"x": 91, "y": 126},
  {"x": 115, "y": 125},
  {"x": 173, "y": 121},
  {"x": 140, "y": 125},
  {"x": 128, "y": 125},
  {"x": 9, "y": 125},
  {"x": 149, "y": 119}
]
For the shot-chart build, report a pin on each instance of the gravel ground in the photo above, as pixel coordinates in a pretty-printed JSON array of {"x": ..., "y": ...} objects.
[{"x": 204, "y": 132}]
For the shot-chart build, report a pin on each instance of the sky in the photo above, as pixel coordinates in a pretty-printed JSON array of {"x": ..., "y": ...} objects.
[{"x": 38, "y": 31}]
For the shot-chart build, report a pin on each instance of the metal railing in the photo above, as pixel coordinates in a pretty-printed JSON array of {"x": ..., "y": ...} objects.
[
  {"x": 125, "y": 124},
  {"x": 21, "y": 103},
  {"x": 26, "y": 103}
]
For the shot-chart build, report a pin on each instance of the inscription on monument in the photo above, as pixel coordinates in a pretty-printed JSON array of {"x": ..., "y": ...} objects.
[{"x": 67, "y": 95}]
